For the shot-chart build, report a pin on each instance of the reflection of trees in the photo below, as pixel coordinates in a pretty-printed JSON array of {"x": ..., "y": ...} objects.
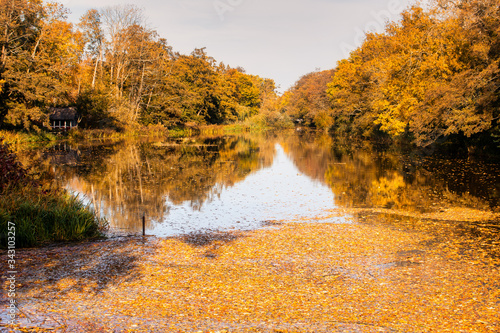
[
  {"x": 311, "y": 153},
  {"x": 128, "y": 179},
  {"x": 363, "y": 177}
]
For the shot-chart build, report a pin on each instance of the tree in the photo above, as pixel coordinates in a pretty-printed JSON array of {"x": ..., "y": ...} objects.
[
  {"x": 117, "y": 21},
  {"x": 40, "y": 54},
  {"x": 475, "y": 107},
  {"x": 240, "y": 94},
  {"x": 93, "y": 36},
  {"x": 19, "y": 22},
  {"x": 308, "y": 102}
]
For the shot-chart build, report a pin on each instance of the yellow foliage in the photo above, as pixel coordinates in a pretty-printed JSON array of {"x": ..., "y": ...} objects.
[{"x": 426, "y": 74}]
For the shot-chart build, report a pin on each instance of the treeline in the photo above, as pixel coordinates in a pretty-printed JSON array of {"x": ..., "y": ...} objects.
[
  {"x": 115, "y": 70},
  {"x": 431, "y": 76},
  {"x": 308, "y": 103}
]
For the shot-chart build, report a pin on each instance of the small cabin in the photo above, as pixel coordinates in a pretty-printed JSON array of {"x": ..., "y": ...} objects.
[{"x": 63, "y": 119}]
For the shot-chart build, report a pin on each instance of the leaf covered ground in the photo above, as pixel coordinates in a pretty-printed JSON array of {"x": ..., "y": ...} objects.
[{"x": 380, "y": 273}]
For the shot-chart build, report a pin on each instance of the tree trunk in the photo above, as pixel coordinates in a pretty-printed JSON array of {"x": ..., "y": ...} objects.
[{"x": 95, "y": 70}]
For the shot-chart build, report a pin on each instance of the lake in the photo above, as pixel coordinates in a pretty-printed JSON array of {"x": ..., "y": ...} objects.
[{"x": 245, "y": 182}]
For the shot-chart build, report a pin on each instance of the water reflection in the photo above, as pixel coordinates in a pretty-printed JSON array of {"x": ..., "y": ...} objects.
[
  {"x": 244, "y": 181},
  {"x": 130, "y": 179},
  {"x": 274, "y": 193},
  {"x": 362, "y": 177}
]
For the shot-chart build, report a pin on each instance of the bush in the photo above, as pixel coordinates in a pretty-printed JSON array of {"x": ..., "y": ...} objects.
[
  {"x": 278, "y": 120},
  {"x": 93, "y": 107},
  {"x": 323, "y": 120}
]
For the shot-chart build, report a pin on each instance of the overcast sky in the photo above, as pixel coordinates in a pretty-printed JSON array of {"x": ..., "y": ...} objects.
[{"x": 277, "y": 39}]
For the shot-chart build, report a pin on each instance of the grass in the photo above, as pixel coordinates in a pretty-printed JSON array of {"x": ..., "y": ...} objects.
[
  {"x": 14, "y": 138},
  {"x": 250, "y": 125},
  {"x": 42, "y": 218},
  {"x": 108, "y": 133},
  {"x": 178, "y": 132}
]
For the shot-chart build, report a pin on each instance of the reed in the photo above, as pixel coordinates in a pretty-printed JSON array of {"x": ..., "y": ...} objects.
[
  {"x": 42, "y": 218},
  {"x": 14, "y": 138},
  {"x": 178, "y": 132}
]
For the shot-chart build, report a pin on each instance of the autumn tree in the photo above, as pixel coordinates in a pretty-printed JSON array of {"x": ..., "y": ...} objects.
[
  {"x": 40, "y": 54},
  {"x": 239, "y": 94},
  {"x": 473, "y": 100},
  {"x": 307, "y": 101},
  {"x": 195, "y": 89},
  {"x": 431, "y": 75},
  {"x": 19, "y": 21},
  {"x": 188, "y": 91},
  {"x": 93, "y": 37},
  {"x": 118, "y": 22},
  {"x": 129, "y": 61}
]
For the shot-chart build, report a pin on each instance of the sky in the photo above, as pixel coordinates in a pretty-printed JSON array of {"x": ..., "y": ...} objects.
[{"x": 276, "y": 39}]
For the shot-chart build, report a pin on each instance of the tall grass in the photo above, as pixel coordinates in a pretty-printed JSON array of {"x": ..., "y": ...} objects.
[
  {"x": 46, "y": 217},
  {"x": 19, "y": 137},
  {"x": 14, "y": 138},
  {"x": 254, "y": 124},
  {"x": 108, "y": 133},
  {"x": 178, "y": 132}
]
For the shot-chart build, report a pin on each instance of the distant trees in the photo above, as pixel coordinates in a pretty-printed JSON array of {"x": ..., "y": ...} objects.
[
  {"x": 195, "y": 89},
  {"x": 115, "y": 69},
  {"x": 307, "y": 101},
  {"x": 431, "y": 75}
]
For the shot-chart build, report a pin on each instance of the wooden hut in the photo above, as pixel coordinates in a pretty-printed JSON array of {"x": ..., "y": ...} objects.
[{"x": 63, "y": 119}]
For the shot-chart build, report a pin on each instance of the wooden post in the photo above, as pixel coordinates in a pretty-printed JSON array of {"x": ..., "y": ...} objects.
[{"x": 144, "y": 224}]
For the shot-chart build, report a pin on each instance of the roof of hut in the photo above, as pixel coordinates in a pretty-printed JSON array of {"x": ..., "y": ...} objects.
[{"x": 63, "y": 114}]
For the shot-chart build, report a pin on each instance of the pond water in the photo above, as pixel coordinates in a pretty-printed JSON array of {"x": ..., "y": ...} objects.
[
  {"x": 277, "y": 192},
  {"x": 251, "y": 181}
]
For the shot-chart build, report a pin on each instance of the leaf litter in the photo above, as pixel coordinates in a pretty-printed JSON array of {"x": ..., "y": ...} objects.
[{"x": 384, "y": 273}]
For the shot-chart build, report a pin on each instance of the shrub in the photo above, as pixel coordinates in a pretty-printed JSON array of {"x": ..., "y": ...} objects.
[{"x": 322, "y": 120}]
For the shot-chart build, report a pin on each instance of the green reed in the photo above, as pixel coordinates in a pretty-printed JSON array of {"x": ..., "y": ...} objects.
[{"x": 46, "y": 217}]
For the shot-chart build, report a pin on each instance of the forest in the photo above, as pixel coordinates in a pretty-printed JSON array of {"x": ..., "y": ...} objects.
[
  {"x": 431, "y": 77},
  {"x": 116, "y": 71}
]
